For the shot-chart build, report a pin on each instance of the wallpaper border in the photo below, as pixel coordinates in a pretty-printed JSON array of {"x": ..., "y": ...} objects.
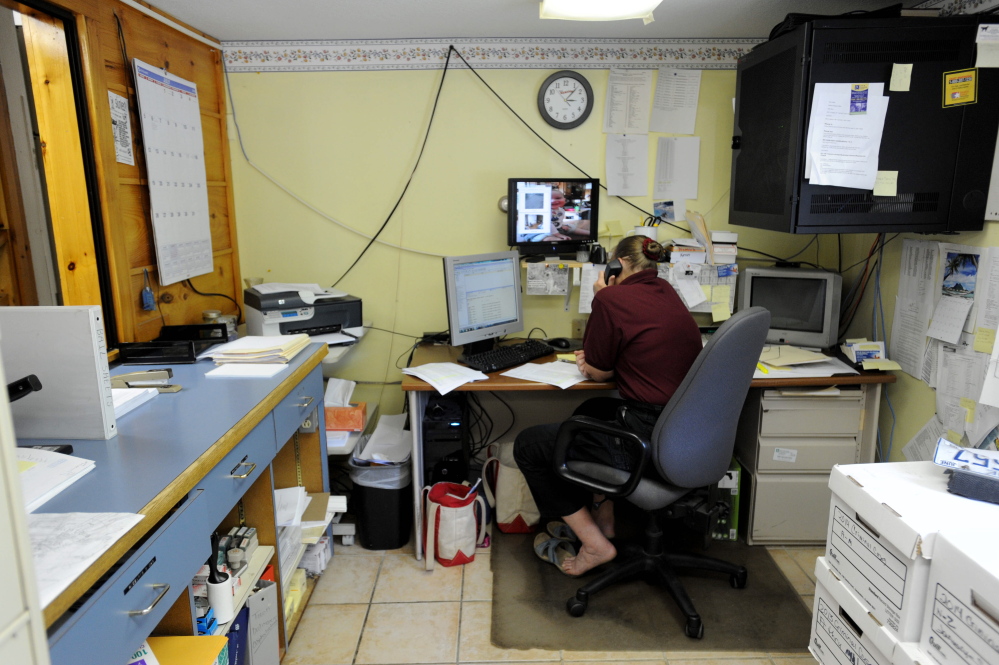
[{"x": 551, "y": 53}]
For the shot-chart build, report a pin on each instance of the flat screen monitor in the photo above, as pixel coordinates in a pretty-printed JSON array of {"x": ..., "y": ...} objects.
[
  {"x": 552, "y": 216},
  {"x": 803, "y": 304},
  {"x": 483, "y": 298}
]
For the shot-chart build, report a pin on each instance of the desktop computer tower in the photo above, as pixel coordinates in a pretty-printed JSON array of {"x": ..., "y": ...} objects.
[
  {"x": 445, "y": 439},
  {"x": 943, "y": 154}
]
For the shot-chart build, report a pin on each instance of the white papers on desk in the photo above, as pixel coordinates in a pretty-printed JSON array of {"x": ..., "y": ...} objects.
[
  {"x": 63, "y": 545},
  {"x": 627, "y": 165},
  {"x": 126, "y": 399},
  {"x": 829, "y": 367},
  {"x": 45, "y": 473},
  {"x": 844, "y": 135},
  {"x": 258, "y": 349},
  {"x": 559, "y": 374},
  {"x": 389, "y": 443},
  {"x": 445, "y": 377},
  {"x": 677, "y": 160},
  {"x": 289, "y": 504},
  {"x": 246, "y": 370},
  {"x": 674, "y": 107},
  {"x": 626, "y": 108}
]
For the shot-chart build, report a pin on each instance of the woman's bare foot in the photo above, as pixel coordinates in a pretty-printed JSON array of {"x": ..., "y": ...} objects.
[
  {"x": 589, "y": 557},
  {"x": 603, "y": 515}
]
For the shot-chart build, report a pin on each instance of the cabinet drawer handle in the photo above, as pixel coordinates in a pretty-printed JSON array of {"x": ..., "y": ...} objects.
[
  {"x": 308, "y": 401},
  {"x": 142, "y": 613},
  {"x": 252, "y": 465}
]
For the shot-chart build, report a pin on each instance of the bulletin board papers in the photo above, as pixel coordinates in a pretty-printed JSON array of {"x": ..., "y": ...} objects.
[
  {"x": 677, "y": 160},
  {"x": 627, "y": 165},
  {"x": 913, "y": 305},
  {"x": 674, "y": 106},
  {"x": 626, "y": 108},
  {"x": 121, "y": 126},
  {"x": 547, "y": 279},
  {"x": 709, "y": 278},
  {"x": 170, "y": 118}
]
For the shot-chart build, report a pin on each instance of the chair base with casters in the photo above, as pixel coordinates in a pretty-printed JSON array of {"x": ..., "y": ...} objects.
[{"x": 654, "y": 564}]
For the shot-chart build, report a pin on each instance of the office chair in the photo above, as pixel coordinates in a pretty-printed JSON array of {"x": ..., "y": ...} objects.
[{"x": 690, "y": 448}]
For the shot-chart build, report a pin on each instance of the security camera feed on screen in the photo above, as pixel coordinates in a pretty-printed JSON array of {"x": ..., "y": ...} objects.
[{"x": 552, "y": 211}]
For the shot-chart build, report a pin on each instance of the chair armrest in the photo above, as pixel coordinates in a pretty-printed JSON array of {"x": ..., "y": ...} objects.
[{"x": 638, "y": 449}]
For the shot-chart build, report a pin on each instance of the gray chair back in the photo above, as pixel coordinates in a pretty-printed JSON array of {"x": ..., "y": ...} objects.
[{"x": 693, "y": 439}]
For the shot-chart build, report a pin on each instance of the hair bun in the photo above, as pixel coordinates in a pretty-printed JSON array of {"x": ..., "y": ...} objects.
[{"x": 652, "y": 249}]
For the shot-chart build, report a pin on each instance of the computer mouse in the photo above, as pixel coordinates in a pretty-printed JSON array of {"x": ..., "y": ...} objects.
[{"x": 559, "y": 343}]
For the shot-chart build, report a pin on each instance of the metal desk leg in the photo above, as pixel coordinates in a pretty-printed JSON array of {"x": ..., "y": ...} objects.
[{"x": 417, "y": 405}]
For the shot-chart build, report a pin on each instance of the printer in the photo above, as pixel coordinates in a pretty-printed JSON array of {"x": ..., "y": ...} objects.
[{"x": 291, "y": 312}]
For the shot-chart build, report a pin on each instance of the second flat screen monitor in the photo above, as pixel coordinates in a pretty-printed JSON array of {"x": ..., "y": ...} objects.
[{"x": 483, "y": 297}]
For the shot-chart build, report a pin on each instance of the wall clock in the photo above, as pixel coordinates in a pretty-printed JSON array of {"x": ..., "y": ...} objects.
[{"x": 565, "y": 99}]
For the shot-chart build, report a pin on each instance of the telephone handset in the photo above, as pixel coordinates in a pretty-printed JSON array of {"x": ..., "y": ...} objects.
[{"x": 613, "y": 269}]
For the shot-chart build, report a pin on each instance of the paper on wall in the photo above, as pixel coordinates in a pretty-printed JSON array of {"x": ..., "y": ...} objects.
[
  {"x": 677, "y": 161},
  {"x": 586, "y": 282},
  {"x": 920, "y": 448},
  {"x": 948, "y": 318},
  {"x": 626, "y": 108},
  {"x": 844, "y": 134},
  {"x": 990, "y": 387},
  {"x": 674, "y": 106},
  {"x": 547, "y": 279},
  {"x": 914, "y": 304},
  {"x": 957, "y": 275},
  {"x": 986, "y": 419},
  {"x": 988, "y": 298},
  {"x": 627, "y": 165},
  {"x": 930, "y": 357}
]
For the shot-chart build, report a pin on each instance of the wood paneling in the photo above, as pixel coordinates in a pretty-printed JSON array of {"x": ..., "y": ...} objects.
[
  {"x": 17, "y": 282},
  {"x": 123, "y": 196}
]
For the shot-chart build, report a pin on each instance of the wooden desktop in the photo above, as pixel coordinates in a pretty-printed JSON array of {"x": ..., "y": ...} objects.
[{"x": 868, "y": 383}]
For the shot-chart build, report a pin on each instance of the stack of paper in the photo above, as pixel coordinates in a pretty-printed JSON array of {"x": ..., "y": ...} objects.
[
  {"x": 45, "y": 473},
  {"x": 445, "y": 377},
  {"x": 559, "y": 374},
  {"x": 126, "y": 399},
  {"x": 258, "y": 349}
]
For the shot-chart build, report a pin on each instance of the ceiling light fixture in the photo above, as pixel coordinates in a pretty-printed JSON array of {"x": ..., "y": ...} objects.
[{"x": 598, "y": 10}]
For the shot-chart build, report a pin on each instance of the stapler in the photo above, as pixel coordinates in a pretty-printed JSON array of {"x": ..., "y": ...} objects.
[{"x": 150, "y": 378}]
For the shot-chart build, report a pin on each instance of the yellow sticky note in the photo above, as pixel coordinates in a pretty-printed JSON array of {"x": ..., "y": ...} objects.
[
  {"x": 954, "y": 437},
  {"x": 706, "y": 288},
  {"x": 24, "y": 465},
  {"x": 719, "y": 311},
  {"x": 886, "y": 183},
  {"x": 900, "y": 77},
  {"x": 985, "y": 339},
  {"x": 721, "y": 293},
  {"x": 567, "y": 357},
  {"x": 969, "y": 405}
]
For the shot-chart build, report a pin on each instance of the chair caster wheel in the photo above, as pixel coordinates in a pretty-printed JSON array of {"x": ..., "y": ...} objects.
[
  {"x": 575, "y": 606},
  {"x": 694, "y": 628},
  {"x": 738, "y": 580}
]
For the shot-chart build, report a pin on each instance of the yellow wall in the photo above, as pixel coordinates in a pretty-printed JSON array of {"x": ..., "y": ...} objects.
[{"x": 345, "y": 143}]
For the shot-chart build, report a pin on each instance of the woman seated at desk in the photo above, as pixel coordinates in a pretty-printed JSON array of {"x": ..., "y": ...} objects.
[{"x": 641, "y": 334}]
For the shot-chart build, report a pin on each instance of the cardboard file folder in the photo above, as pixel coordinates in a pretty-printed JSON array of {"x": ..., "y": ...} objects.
[{"x": 64, "y": 347}]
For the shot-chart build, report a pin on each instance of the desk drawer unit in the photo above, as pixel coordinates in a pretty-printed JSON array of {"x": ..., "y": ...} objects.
[
  {"x": 788, "y": 508},
  {"x": 820, "y": 416},
  {"x": 233, "y": 476},
  {"x": 126, "y": 608},
  {"x": 799, "y": 454},
  {"x": 298, "y": 405}
]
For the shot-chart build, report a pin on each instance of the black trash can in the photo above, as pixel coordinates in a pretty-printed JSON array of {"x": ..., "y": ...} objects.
[{"x": 382, "y": 505}]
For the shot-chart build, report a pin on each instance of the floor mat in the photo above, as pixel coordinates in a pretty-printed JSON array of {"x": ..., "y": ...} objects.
[{"x": 529, "y": 607}]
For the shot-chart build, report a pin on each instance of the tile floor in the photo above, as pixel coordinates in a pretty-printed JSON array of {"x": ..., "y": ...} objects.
[{"x": 383, "y": 608}]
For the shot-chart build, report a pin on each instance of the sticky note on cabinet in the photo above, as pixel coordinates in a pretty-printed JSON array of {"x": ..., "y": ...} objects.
[
  {"x": 901, "y": 75},
  {"x": 886, "y": 183}
]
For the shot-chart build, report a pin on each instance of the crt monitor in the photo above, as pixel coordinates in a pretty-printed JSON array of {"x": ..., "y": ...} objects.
[
  {"x": 483, "y": 298},
  {"x": 804, "y": 304},
  {"x": 552, "y": 216}
]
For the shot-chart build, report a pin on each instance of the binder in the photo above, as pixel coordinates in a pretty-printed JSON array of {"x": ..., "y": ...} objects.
[{"x": 64, "y": 347}]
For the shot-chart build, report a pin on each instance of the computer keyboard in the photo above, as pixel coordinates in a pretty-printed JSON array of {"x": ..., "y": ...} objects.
[{"x": 507, "y": 356}]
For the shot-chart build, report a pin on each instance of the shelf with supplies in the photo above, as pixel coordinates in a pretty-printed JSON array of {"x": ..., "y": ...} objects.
[{"x": 254, "y": 570}]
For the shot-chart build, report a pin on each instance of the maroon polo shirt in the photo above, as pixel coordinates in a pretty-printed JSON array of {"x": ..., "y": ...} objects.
[{"x": 641, "y": 330}]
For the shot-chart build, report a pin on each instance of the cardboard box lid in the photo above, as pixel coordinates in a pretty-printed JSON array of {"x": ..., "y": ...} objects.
[
  {"x": 979, "y": 545},
  {"x": 188, "y": 650},
  {"x": 907, "y": 503}
]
